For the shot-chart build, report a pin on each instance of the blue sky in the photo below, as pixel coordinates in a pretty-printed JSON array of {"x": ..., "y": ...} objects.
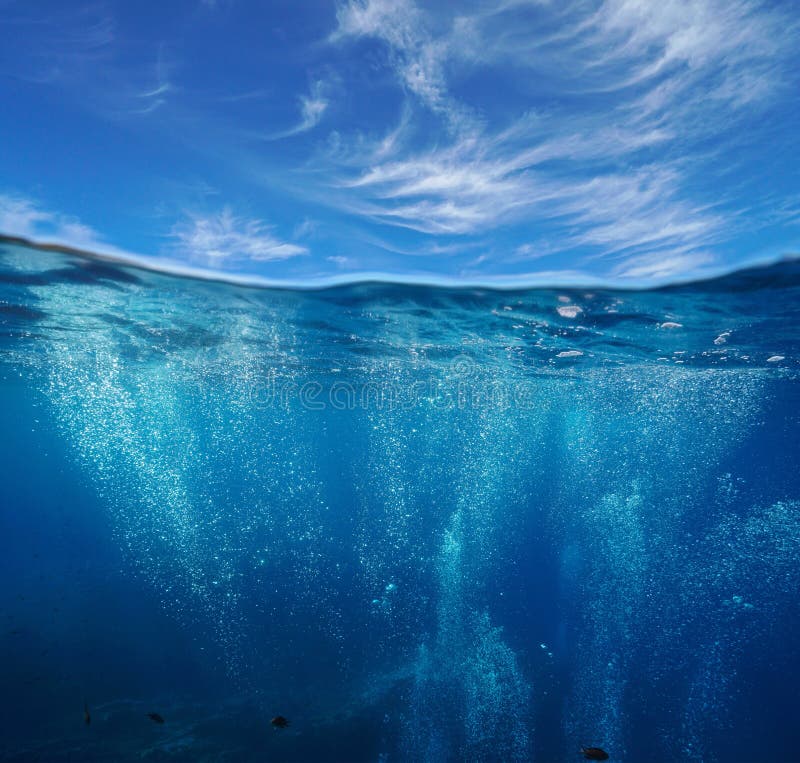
[{"x": 494, "y": 141}]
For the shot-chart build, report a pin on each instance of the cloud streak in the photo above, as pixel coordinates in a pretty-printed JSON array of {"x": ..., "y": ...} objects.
[
  {"x": 25, "y": 218},
  {"x": 224, "y": 236},
  {"x": 67, "y": 44},
  {"x": 417, "y": 56},
  {"x": 609, "y": 165},
  {"x": 210, "y": 239},
  {"x": 312, "y": 108},
  {"x": 625, "y": 138}
]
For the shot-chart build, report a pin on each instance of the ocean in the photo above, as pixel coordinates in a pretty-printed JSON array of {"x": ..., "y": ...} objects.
[{"x": 420, "y": 523}]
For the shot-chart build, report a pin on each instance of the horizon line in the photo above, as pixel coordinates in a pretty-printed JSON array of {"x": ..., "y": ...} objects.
[{"x": 174, "y": 269}]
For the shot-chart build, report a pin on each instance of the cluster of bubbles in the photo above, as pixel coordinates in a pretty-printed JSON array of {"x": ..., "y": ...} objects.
[
  {"x": 217, "y": 505},
  {"x": 736, "y": 583},
  {"x": 241, "y": 521},
  {"x": 610, "y": 590},
  {"x": 471, "y": 699},
  {"x": 666, "y": 577}
]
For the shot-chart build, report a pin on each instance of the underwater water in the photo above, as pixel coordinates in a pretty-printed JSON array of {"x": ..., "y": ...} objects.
[{"x": 423, "y": 524}]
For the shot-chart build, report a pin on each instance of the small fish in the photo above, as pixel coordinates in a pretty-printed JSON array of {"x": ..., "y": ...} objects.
[
  {"x": 87, "y": 718},
  {"x": 279, "y": 722},
  {"x": 155, "y": 717},
  {"x": 594, "y": 753}
]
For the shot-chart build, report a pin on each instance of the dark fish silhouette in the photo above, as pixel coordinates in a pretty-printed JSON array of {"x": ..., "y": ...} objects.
[
  {"x": 594, "y": 753},
  {"x": 155, "y": 717},
  {"x": 279, "y": 722},
  {"x": 87, "y": 718}
]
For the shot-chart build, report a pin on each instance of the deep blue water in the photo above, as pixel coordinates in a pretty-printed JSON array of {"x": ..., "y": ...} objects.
[{"x": 423, "y": 524}]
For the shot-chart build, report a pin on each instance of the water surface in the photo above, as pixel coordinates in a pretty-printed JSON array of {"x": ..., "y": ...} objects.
[{"x": 424, "y": 524}]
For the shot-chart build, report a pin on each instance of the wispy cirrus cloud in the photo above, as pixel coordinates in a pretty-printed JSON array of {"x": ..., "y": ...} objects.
[
  {"x": 630, "y": 90},
  {"x": 213, "y": 238},
  {"x": 201, "y": 245},
  {"x": 224, "y": 236},
  {"x": 485, "y": 182},
  {"x": 26, "y": 218},
  {"x": 417, "y": 55},
  {"x": 154, "y": 96},
  {"x": 312, "y": 108},
  {"x": 663, "y": 265},
  {"x": 82, "y": 51},
  {"x": 46, "y": 48},
  {"x": 626, "y": 138}
]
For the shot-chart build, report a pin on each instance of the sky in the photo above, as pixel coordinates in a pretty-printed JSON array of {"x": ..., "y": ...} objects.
[{"x": 491, "y": 141}]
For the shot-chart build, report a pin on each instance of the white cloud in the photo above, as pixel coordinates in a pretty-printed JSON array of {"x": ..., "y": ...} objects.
[
  {"x": 338, "y": 260},
  {"x": 639, "y": 209},
  {"x": 224, "y": 236},
  {"x": 154, "y": 96},
  {"x": 476, "y": 184},
  {"x": 212, "y": 239},
  {"x": 312, "y": 108},
  {"x": 608, "y": 164},
  {"x": 24, "y": 217},
  {"x": 57, "y": 45},
  {"x": 417, "y": 56},
  {"x": 659, "y": 266},
  {"x": 21, "y": 217}
]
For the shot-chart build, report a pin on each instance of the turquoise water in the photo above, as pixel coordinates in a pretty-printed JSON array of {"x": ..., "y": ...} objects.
[{"x": 424, "y": 524}]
